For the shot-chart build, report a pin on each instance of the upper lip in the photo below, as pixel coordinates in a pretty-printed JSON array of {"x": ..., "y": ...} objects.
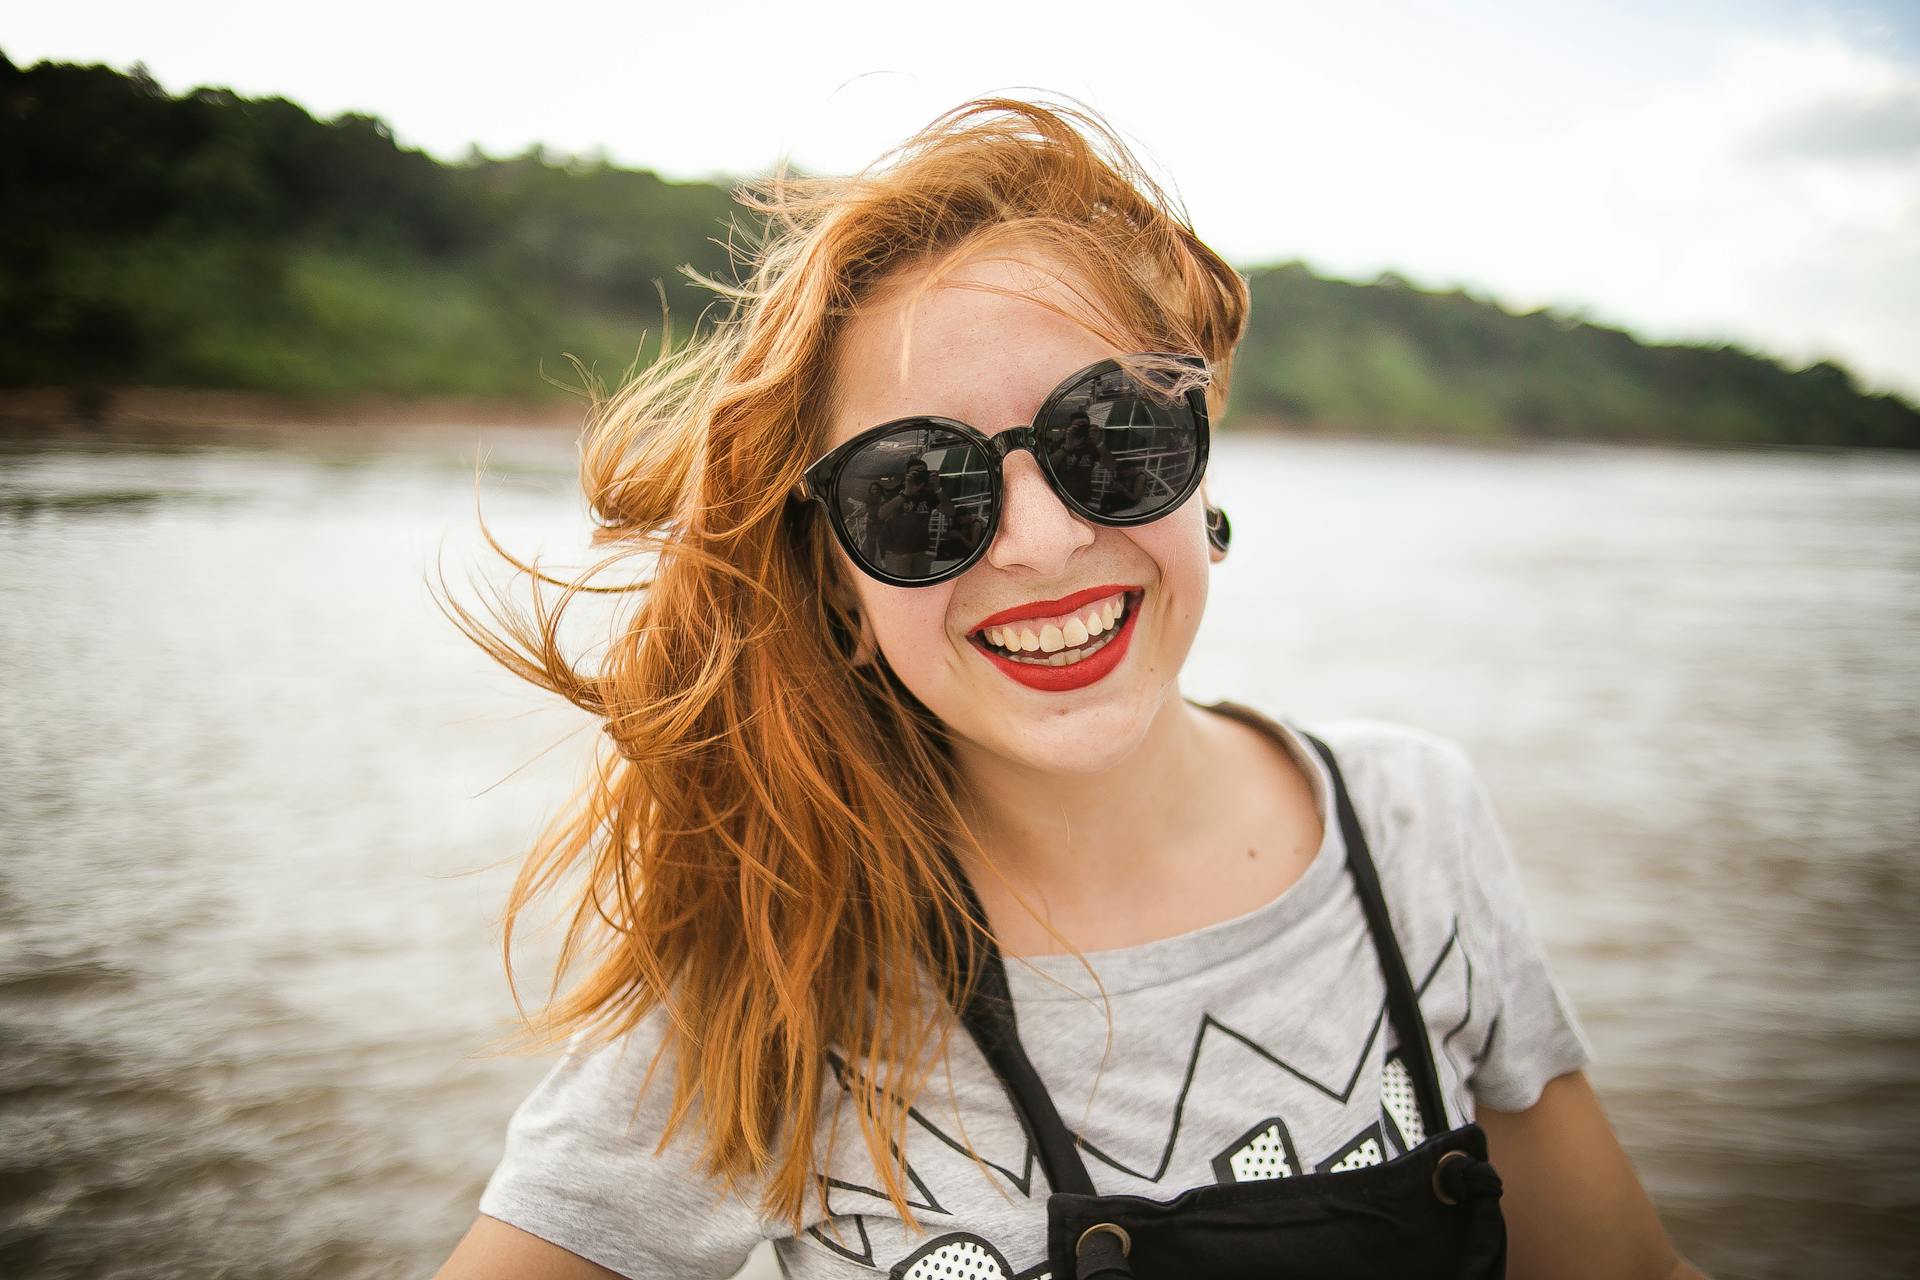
[{"x": 1048, "y": 608}]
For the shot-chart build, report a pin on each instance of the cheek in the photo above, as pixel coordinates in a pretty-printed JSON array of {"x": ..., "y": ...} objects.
[
  {"x": 909, "y": 626},
  {"x": 1178, "y": 547}
]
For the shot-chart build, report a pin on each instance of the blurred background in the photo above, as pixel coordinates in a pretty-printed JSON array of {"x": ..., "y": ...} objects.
[{"x": 1576, "y": 422}]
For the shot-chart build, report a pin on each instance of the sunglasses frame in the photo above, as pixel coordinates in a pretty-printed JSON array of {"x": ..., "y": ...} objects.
[{"x": 822, "y": 478}]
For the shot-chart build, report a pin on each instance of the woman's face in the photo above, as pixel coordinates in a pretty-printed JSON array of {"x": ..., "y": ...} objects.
[{"x": 989, "y": 360}]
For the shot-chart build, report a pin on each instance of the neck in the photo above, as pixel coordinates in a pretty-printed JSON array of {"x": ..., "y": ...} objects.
[{"x": 1082, "y": 836}]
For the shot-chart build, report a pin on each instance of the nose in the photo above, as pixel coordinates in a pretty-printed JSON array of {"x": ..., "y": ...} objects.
[{"x": 1036, "y": 532}]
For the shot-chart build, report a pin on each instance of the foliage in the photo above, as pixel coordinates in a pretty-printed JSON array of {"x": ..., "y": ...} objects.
[
  {"x": 212, "y": 240},
  {"x": 217, "y": 241},
  {"x": 1388, "y": 357}
]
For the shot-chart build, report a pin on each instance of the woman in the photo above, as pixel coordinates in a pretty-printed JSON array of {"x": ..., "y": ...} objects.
[{"x": 927, "y": 929}]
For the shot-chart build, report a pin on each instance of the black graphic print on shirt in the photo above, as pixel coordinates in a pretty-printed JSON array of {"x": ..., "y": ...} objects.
[
  {"x": 1364, "y": 1149},
  {"x": 862, "y": 1252},
  {"x": 1264, "y": 1151},
  {"x": 1267, "y": 1148}
]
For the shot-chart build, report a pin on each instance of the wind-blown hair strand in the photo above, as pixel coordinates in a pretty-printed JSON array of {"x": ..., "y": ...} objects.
[{"x": 767, "y": 830}]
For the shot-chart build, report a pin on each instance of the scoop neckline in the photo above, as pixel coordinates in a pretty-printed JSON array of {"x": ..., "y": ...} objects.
[{"x": 1161, "y": 961}]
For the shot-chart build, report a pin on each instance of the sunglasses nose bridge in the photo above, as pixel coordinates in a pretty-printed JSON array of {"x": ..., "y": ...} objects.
[
  {"x": 1034, "y": 525},
  {"x": 1020, "y": 436},
  {"x": 1011, "y": 441}
]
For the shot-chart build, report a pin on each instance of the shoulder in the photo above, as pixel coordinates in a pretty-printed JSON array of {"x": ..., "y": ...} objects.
[
  {"x": 1413, "y": 790},
  {"x": 1383, "y": 739},
  {"x": 1385, "y": 759},
  {"x": 588, "y": 1165},
  {"x": 1416, "y": 795},
  {"x": 1457, "y": 895},
  {"x": 1380, "y": 761}
]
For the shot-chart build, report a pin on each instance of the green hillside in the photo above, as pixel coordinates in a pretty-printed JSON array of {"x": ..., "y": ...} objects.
[
  {"x": 1391, "y": 358},
  {"x": 214, "y": 241}
]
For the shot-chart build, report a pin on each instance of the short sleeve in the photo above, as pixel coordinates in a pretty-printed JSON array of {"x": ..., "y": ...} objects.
[
  {"x": 580, "y": 1171},
  {"x": 1534, "y": 1034}
]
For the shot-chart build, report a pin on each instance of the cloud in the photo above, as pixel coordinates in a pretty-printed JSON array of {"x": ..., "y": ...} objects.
[
  {"x": 1755, "y": 196},
  {"x": 1694, "y": 172},
  {"x": 1876, "y": 128}
]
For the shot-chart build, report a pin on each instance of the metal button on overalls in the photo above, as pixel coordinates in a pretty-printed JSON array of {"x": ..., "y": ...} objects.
[{"x": 1431, "y": 1212}]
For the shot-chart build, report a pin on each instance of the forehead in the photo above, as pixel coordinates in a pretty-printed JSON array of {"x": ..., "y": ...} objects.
[{"x": 963, "y": 349}]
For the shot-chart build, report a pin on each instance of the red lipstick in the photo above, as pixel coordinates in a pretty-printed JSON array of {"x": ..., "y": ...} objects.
[
  {"x": 1077, "y": 675},
  {"x": 1051, "y": 608}
]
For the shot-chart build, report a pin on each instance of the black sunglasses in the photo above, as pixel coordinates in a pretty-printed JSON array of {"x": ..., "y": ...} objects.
[{"x": 916, "y": 500}]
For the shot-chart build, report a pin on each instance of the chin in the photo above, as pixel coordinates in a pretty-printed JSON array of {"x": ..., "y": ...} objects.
[{"x": 1072, "y": 737}]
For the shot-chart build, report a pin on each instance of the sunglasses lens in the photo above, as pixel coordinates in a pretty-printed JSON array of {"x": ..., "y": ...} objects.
[
  {"x": 1121, "y": 447},
  {"x": 914, "y": 503}
]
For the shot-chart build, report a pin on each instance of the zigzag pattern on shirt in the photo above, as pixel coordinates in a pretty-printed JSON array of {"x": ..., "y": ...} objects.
[
  {"x": 963, "y": 1254},
  {"x": 1021, "y": 1182},
  {"x": 864, "y": 1256},
  {"x": 925, "y": 1202},
  {"x": 1338, "y": 1092},
  {"x": 1467, "y": 960},
  {"x": 1460, "y": 1086}
]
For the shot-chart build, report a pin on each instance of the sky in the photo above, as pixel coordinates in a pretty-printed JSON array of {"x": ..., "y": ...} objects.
[{"x": 1695, "y": 170}]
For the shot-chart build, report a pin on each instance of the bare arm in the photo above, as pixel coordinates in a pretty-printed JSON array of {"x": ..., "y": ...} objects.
[
  {"x": 1574, "y": 1207},
  {"x": 494, "y": 1250}
]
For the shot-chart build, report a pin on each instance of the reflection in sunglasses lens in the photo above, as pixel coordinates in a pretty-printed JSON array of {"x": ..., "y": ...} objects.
[
  {"x": 915, "y": 502},
  {"x": 918, "y": 501},
  {"x": 1119, "y": 447}
]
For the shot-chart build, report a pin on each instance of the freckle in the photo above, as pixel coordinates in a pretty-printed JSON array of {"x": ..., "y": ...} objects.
[{"x": 1250, "y": 853}]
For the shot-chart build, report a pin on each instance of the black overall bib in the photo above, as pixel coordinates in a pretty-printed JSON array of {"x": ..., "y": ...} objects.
[{"x": 1432, "y": 1212}]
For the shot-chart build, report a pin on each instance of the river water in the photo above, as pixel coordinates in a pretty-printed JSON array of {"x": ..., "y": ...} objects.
[{"x": 259, "y": 805}]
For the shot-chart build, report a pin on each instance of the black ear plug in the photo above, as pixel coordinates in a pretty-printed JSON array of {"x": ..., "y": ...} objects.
[{"x": 1219, "y": 529}]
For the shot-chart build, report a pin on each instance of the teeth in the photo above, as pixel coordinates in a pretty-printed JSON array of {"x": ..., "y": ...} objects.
[
  {"x": 1066, "y": 657},
  {"x": 1053, "y": 638}
]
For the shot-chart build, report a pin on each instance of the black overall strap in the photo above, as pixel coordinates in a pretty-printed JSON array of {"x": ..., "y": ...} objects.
[
  {"x": 1403, "y": 1006},
  {"x": 989, "y": 1019}
]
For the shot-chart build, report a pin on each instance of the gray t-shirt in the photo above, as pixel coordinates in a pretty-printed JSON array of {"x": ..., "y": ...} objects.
[{"x": 1255, "y": 1047}]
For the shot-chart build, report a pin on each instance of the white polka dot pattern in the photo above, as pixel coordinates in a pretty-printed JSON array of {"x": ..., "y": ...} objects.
[
  {"x": 1397, "y": 1100},
  {"x": 1264, "y": 1151},
  {"x": 1263, "y": 1157},
  {"x": 1368, "y": 1152},
  {"x": 958, "y": 1258}
]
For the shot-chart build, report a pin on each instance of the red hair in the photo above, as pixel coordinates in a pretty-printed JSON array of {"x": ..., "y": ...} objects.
[{"x": 759, "y": 842}]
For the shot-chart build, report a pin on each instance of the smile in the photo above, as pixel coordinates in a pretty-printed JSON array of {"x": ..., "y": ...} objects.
[
  {"x": 1063, "y": 640},
  {"x": 1064, "y": 651}
]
